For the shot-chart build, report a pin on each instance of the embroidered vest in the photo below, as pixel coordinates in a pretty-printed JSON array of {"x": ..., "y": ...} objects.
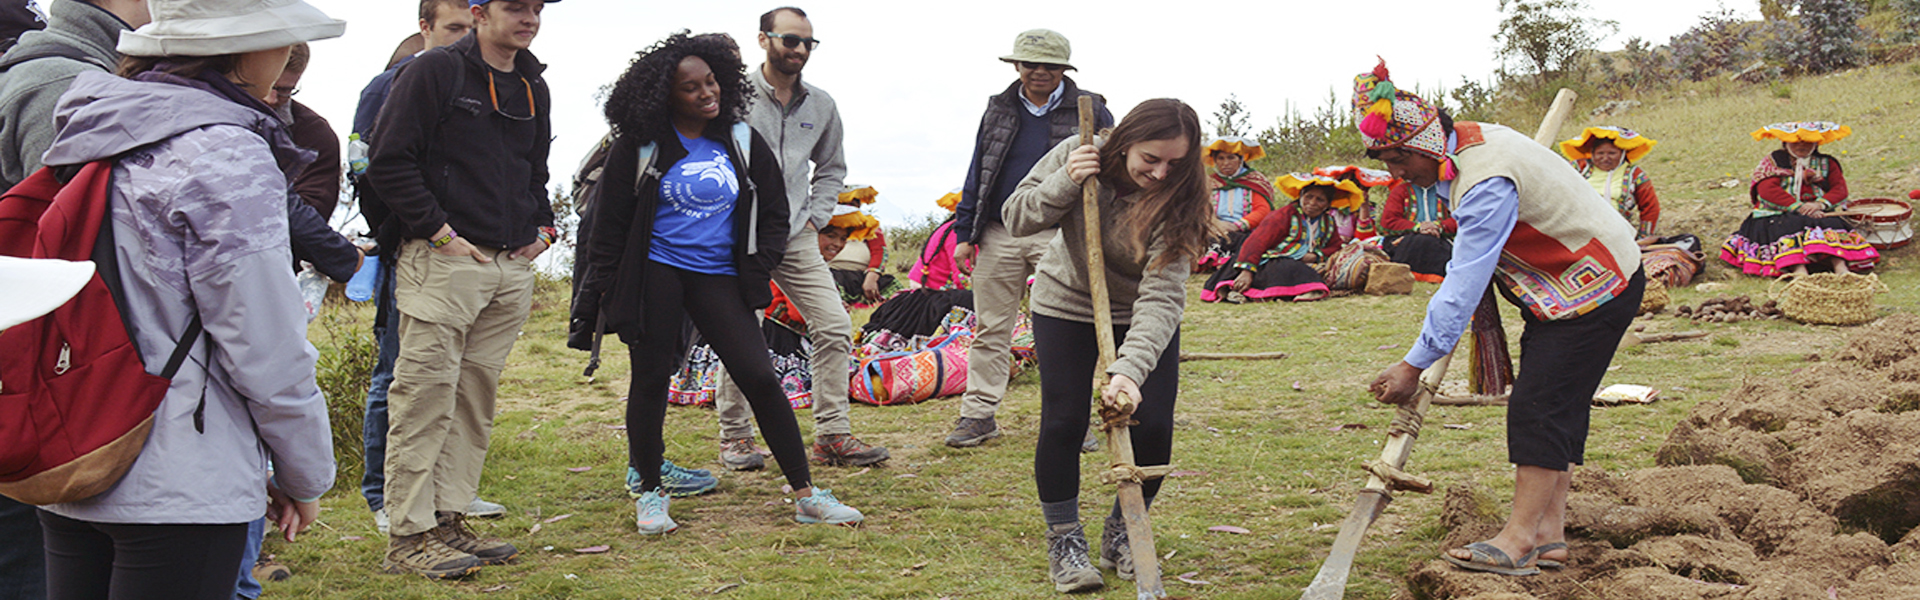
[{"x": 1569, "y": 252}]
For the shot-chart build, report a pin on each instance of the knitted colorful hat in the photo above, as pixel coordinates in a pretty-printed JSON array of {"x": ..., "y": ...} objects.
[
  {"x": 1248, "y": 150},
  {"x": 1346, "y": 194},
  {"x": 1819, "y": 132},
  {"x": 1364, "y": 176},
  {"x": 1632, "y": 142},
  {"x": 1393, "y": 118}
]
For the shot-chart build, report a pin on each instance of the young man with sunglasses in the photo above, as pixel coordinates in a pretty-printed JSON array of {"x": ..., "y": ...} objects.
[
  {"x": 461, "y": 159},
  {"x": 1021, "y": 124},
  {"x": 804, "y": 126}
]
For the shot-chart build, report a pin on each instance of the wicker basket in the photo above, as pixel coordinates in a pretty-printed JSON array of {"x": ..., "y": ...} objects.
[
  {"x": 1655, "y": 299},
  {"x": 1828, "y": 298}
]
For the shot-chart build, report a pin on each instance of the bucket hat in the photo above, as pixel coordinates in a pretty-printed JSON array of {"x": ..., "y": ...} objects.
[
  {"x": 1041, "y": 46},
  {"x": 216, "y": 27}
]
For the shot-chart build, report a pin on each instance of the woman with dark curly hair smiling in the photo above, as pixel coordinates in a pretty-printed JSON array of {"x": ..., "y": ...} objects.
[{"x": 691, "y": 232}]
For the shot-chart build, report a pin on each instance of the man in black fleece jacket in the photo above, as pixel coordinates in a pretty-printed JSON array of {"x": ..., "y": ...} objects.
[{"x": 460, "y": 156}]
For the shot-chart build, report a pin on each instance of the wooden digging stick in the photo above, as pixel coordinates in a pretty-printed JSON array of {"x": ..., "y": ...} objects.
[
  {"x": 1133, "y": 503},
  {"x": 1331, "y": 582}
]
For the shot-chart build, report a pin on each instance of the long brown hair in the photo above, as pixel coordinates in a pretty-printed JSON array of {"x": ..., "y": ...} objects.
[{"x": 1174, "y": 207}]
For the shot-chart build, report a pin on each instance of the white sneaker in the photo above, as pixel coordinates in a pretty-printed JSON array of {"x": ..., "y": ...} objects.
[
  {"x": 822, "y": 507},
  {"x": 482, "y": 508},
  {"x": 650, "y": 514},
  {"x": 380, "y": 520}
]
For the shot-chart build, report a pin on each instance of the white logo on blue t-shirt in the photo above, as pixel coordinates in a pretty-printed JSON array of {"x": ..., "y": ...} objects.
[{"x": 701, "y": 186}]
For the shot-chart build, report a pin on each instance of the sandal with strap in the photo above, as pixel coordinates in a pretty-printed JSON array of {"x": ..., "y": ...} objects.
[
  {"x": 1536, "y": 556},
  {"x": 1490, "y": 559}
]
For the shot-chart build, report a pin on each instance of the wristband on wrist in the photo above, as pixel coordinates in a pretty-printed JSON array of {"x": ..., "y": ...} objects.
[
  {"x": 1246, "y": 266},
  {"x": 547, "y": 235},
  {"x": 443, "y": 240}
]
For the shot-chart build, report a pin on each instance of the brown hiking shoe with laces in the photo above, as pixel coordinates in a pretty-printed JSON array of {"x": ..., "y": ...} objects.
[
  {"x": 425, "y": 555},
  {"x": 453, "y": 532},
  {"x": 844, "y": 450}
]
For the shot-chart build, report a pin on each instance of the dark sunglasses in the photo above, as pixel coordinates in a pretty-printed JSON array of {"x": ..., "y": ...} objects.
[
  {"x": 1034, "y": 66},
  {"x": 793, "y": 40},
  {"x": 494, "y": 94}
]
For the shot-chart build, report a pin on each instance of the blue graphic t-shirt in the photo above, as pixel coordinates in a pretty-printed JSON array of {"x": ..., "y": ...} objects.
[{"x": 693, "y": 228}]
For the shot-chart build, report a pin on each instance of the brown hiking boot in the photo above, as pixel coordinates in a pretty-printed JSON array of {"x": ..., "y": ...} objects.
[
  {"x": 844, "y": 450},
  {"x": 453, "y": 532},
  {"x": 425, "y": 555}
]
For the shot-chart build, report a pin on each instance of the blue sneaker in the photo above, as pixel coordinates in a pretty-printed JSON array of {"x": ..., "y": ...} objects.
[
  {"x": 677, "y": 481},
  {"x": 822, "y": 507},
  {"x": 650, "y": 514}
]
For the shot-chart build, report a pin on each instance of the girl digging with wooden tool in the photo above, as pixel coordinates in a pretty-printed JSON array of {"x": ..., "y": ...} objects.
[{"x": 1152, "y": 200}]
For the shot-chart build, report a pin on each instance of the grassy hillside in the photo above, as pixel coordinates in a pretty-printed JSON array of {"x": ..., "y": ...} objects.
[{"x": 1270, "y": 446}]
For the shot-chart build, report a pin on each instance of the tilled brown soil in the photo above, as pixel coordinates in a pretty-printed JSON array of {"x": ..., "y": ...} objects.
[{"x": 1802, "y": 487}]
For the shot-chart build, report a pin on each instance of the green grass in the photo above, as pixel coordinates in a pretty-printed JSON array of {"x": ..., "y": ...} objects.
[{"x": 945, "y": 523}]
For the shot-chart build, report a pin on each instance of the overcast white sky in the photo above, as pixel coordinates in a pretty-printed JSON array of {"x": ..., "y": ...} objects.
[{"x": 911, "y": 78}]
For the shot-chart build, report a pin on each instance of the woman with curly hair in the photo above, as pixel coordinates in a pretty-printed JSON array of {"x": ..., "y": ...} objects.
[
  {"x": 692, "y": 238},
  {"x": 1156, "y": 218}
]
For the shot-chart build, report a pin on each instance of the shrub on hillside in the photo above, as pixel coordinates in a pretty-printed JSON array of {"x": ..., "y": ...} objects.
[
  {"x": 1830, "y": 36},
  {"x": 1548, "y": 39},
  {"x": 1717, "y": 44}
]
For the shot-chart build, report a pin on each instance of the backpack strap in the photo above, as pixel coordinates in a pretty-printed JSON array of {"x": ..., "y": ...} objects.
[
  {"x": 743, "y": 145},
  {"x": 645, "y": 169}
]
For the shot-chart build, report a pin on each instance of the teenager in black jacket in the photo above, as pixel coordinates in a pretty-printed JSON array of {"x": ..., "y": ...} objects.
[{"x": 691, "y": 238}]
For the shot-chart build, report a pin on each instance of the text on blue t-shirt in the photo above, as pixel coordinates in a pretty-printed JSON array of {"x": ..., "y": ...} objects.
[{"x": 693, "y": 227}]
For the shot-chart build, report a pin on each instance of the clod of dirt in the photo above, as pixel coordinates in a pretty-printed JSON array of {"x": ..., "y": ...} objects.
[
  {"x": 1703, "y": 558},
  {"x": 1863, "y": 468},
  {"x": 1886, "y": 342},
  {"x": 1829, "y": 559},
  {"x": 1754, "y": 455}
]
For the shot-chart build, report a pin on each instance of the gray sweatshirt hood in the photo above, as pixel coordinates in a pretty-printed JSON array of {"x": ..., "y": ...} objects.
[{"x": 103, "y": 115}]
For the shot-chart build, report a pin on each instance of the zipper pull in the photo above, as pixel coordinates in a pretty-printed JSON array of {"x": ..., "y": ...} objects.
[{"x": 66, "y": 360}]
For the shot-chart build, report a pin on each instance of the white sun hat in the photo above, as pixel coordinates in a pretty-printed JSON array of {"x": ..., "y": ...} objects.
[
  {"x": 40, "y": 285},
  {"x": 216, "y": 27}
]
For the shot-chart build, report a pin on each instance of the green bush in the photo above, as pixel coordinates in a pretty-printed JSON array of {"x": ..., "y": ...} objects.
[{"x": 344, "y": 336}]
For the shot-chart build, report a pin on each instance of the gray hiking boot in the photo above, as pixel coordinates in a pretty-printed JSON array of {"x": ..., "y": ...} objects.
[
  {"x": 425, "y": 555},
  {"x": 1115, "y": 553},
  {"x": 738, "y": 454},
  {"x": 452, "y": 531},
  {"x": 1092, "y": 443},
  {"x": 484, "y": 509},
  {"x": 1067, "y": 563},
  {"x": 969, "y": 432}
]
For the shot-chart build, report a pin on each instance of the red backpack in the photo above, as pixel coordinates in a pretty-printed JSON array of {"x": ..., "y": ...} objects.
[{"x": 76, "y": 402}]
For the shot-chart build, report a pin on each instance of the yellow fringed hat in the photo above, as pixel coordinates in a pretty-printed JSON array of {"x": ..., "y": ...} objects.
[
  {"x": 859, "y": 225},
  {"x": 1248, "y": 150},
  {"x": 1367, "y": 177},
  {"x": 1819, "y": 132},
  {"x": 856, "y": 194},
  {"x": 951, "y": 201},
  {"x": 1347, "y": 195},
  {"x": 1632, "y": 142}
]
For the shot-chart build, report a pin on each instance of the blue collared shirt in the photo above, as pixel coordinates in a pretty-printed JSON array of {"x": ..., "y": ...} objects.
[
  {"x": 1053, "y": 101},
  {"x": 1486, "y": 214}
]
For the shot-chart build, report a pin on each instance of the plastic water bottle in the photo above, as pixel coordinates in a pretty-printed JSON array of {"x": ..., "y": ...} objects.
[
  {"x": 356, "y": 155},
  {"x": 360, "y": 288}
]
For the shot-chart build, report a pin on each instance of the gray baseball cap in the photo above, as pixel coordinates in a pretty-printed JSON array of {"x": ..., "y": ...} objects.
[{"x": 1041, "y": 46}]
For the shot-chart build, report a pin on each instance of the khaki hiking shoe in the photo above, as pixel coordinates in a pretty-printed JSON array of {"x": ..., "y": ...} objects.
[
  {"x": 738, "y": 454},
  {"x": 845, "y": 450},
  {"x": 1067, "y": 564},
  {"x": 267, "y": 569},
  {"x": 453, "y": 532},
  {"x": 425, "y": 555},
  {"x": 968, "y": 432}
]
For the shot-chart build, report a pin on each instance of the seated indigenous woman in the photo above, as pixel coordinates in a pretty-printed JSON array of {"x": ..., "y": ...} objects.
[
  {"x": 1418, "y": 227},
  {"x": 1242, "y": 197},
  {"x": 935, "y": 268},
  {"x": 1607, "y": 157},
  {"x": 1277, "y": 260},
  {"x": 862, "y": 252},
  {"x": 1793, "y": 189},
  {"x": 1359, "y": 219}
]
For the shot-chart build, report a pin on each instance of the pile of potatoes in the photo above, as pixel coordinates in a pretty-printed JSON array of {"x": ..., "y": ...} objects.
[{"x": 1729, "y": 310}]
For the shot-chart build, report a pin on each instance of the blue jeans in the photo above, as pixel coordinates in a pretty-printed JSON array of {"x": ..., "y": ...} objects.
[
  {"x": 23, "y": 565},
  {"x": 248, "y": 587},
  {"x": 374, "y": 431}
]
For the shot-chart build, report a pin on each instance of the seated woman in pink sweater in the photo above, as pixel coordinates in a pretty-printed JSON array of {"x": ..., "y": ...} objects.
[{"x": 935, "y": 268}]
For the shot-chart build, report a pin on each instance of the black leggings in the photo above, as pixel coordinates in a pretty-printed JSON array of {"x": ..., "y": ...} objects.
[
  {"x": 105, "y": 561},
  {"x": 714, "y": 304},
  {"x": 1066, "y": 351}
]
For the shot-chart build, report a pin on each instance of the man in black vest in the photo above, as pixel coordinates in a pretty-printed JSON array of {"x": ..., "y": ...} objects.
[{"x": 1021, "y": 124}]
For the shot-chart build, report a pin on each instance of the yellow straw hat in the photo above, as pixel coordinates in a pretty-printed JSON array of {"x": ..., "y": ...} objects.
[
  {"x": 1367, "y": 177},
  {"x": 857, "y": 194},
  {"x": 1632, "y": 142},
  {"x": 1248, "y": 150},
  {"x": 1819, "y": 132},
  {"x": 951, "y": 201},
  {"x": 859, "y": 225},
  {"x": 1347, "y": 194}
]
